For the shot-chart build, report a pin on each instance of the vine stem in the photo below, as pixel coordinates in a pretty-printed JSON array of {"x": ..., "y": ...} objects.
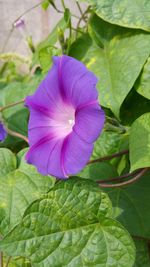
[
  {"x": 82, "y": 17},
  {"x": 15, "y": 134},
  {"x": 63, "y": 4},
  {"x": 123, "y": 152},
  {"x": 79, "y": 8},
  {"x": 124, "y": 176},
  {"x": 131, "y": 181},
  {"x": 1, "y": 259},
  {"x": 8, "y": 261},
  {"x": 141, "y": 238},
  {"x": 11, "y": 105}
]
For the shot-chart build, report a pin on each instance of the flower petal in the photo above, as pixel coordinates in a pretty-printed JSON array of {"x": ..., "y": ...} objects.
[
  {"x": 89, "y": 122},
  {"x": 41, "y": 154},
  {"x": 47, "y": 95},
  {"x": 75, "y": 154},
  {"x": 77, "y": 84},
  {"x": 3, "y": 132}
]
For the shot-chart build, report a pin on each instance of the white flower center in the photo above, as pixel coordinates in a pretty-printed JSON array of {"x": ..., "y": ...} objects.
[
  {"x": 71, "y": 122},
  {"x": 63, "y": 121}
]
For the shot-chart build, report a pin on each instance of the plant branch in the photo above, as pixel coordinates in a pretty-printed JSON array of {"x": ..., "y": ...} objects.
[
  {"x": 8, "y": 261},
  {"x": 115, "y": 155},
  {"x": 16, "y": 134},
  {"x": 12, "y": 105},
  {"x": 1, "y": 259},
  {"x": 124, "y": 176},
  {"x": 131, "y": 181},
  {"x": 63, "y": 4},
  {"x": 82, "y": 17},
  {"x": 79, "y": 8},
  {"x": 141, "y": 238}
]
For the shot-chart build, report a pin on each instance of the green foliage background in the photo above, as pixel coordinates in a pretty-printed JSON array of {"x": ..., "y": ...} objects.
[{"x": 78, "y": 223}]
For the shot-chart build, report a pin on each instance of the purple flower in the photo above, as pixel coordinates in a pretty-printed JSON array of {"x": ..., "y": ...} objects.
[
  {"x": 65, "y": 119},
  {"x": 3, "y": 132}
]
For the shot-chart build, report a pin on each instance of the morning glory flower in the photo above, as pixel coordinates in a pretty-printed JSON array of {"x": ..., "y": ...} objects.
[
  {"x": 65, "y": 119},
  {"x": 3, "y": 132}
]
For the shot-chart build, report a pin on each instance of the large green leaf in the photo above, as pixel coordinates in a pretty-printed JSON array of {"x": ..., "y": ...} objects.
[
  {"x": 142, "y": 254},
  {"x": 143, "y": 83},
  {"x": 116, "y": 56},
  {"x": 131, "y": 14},
  {"x": 139, "y": 142},
  {"x": 133, "y": 107},
  {"x": 108, "y": 143},
  {"x": 19, "y": 186},
  {"x": 17, "y": 262},
  {"x": 97, "y": 171},
  {"x": 132, "y": 206},
  {"x": 16, "y": 117},
  {"x": 75, "y": 231}
]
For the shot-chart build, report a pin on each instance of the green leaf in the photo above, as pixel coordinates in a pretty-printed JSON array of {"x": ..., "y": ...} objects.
[
  {"x": 108, "y": 143},
  {"x": 19, "y": 186},
  {"x": 45, "y": 4},
  {"x": 139, "y": 142},
  {"x": 50, "y": 41},
  {"x": 67, "y": 17},
  {"x": 130, "y": 14},
  {"x": 143, "y": 83},
  {"x": 131, "y": 206},
  {"x": 116, "y": 56},
  {"x": 75, "y": 231},
  {"x": 16, "y": 117},
  {"x": 18, "y": 262},
  {"x": 98, "y": 171},
  {"x": 142, "y": 254},
  {"x": 133, "y": 107},
  {"x": 7, "y": 161},
  {"x": 45, "y": 57}
]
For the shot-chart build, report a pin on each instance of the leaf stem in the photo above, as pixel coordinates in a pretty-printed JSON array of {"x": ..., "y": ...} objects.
[
  {"x": 141, "y": 238},
  {"x": 124, "y": 176},
  {"x": 1, "y": 259},
  {"x": 115, "y": 155},
  {"x": 11, "y": 105},
  {"x": 63, "y": 4},
  {"x": 131, "y": 181},
  {"x": 82, "y": 18},
  {"x": 16, "y": 134},
  {"x": 79, "y": 8},
  {"x": 8, "y": 261}
]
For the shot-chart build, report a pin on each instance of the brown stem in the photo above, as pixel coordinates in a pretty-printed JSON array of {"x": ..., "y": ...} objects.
[
  {"x": 82, "y": 17},
  {"x": 13, "y": 133},
  {"x": 11, "y": 105},
  {"x": 8, "y": 261},
  {"x": 141, "y": 238},
  {"x": 119, "y": 177},
  {"x": 131, "y": 181},
  {"x": 123, "y": 152},
  {"x": 79, "y": 8},
  {"x": 1, "y": 259}
]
